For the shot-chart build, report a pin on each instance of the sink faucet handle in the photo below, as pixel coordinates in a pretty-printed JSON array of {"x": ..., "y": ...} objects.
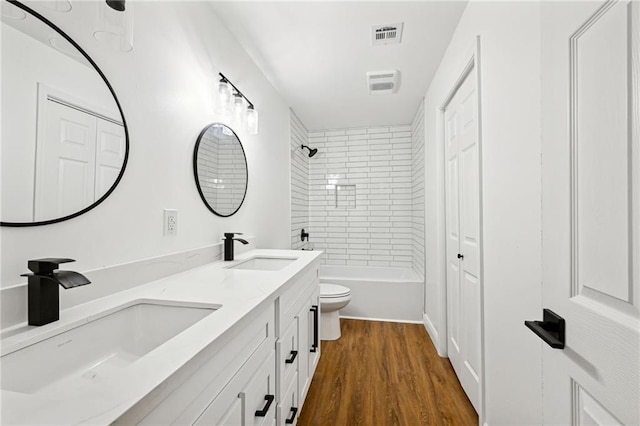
[
  {"x": 231, "y": 234},
  {"x": 46, "y": 265}
]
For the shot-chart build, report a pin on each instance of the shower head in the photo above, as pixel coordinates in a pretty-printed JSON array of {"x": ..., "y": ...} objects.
[{"x": 312, "y": 151}]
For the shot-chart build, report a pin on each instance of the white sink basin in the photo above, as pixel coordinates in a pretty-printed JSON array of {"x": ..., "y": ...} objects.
[
  {"x": 262, "y": 263},
  {"x": 96, "y": 347}
]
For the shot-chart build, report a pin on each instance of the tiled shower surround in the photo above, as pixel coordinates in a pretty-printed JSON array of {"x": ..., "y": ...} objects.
[
  {"x": 365, "y": 194},
  {"x": 299, "y": 182}
]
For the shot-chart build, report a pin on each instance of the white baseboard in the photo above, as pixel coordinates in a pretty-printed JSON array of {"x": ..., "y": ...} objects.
[
  {"x": 380, "y": 319},
  {"x": 433, "y": 334}
]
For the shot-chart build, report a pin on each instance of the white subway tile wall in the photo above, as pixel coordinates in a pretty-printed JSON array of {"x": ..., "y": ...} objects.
[
  {"x": 299, "y": 181},
  {"x": 360, "y": 200},
  {"x": 417, "y": 196}
]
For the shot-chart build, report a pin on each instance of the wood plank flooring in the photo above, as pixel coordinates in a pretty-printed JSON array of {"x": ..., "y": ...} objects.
[{"x": 383, "y": 373}]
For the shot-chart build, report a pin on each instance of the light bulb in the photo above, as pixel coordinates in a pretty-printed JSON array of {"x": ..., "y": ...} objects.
[
  {"x": 223, "y": 98},
  {"x": 239, "y": 110},
  {"x": 115, "y": 26},
  {"x": 252, "y": 120}
]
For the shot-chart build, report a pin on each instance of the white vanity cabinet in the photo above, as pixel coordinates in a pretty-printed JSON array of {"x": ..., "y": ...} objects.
[
  {"x": 257, "y": 374},
  {"x": 298, "y": 343}
]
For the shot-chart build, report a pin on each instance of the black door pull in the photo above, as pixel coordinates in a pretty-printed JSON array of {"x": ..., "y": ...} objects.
[
  {"x": 292, "y": 358},
  {"x": 460, "y": 256},
  {"x": 551, "y": 329},
  {"x": 265, "y": 410},
  {"x": 314, "y": 346},
  {"x": 294, "y": 411}
]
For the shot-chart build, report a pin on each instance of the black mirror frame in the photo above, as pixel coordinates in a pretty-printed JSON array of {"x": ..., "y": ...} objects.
[
  {"x": 195, "y": 170},
  {"x": 124, "y": 123}
]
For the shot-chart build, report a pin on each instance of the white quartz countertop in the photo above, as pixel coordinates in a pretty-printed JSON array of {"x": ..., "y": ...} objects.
[{"x": 102, "y": 401}]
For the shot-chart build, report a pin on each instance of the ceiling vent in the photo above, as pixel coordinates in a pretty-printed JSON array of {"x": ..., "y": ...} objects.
[
  {"x": 383, "y": 82},
  {"x": 386, "y": 34}
]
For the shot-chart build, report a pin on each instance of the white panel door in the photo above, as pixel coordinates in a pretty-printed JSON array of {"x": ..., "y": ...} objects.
[
  {"x": 591, "y": 210},
  {"x": 110, "y": 152},
  {"x": 462, "y": 230},
  {"x": 65, "y": 162}
]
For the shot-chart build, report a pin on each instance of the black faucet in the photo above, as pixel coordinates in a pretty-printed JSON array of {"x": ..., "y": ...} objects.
[
  {"x": 43, "y": 292},
  {"x": 228, "y": 244},
  {"x": 304, "y": 235}
]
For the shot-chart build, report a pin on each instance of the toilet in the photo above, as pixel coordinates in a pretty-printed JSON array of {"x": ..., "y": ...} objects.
[{"x": 333, "y": 297}]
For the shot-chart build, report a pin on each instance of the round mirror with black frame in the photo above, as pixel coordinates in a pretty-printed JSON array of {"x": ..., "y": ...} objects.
[
  {"x": 220, "y": 169},
  {"x": 65, "y": 141}
]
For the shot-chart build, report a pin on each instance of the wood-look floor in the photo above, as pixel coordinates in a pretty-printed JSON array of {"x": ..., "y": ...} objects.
[{"x": 383, "y": 373}]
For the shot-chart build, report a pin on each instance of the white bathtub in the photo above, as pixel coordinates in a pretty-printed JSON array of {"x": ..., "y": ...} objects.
[{"x": 379, "y": 293}]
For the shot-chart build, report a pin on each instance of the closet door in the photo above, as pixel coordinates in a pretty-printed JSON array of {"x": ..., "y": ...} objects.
[{"x": 462, "y": 236}]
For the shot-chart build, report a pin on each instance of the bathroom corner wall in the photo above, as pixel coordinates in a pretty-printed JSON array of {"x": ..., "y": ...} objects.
[
  {"x": 417, "y": 195},
  {"x": 299, "y": 181},
  {"x": 361, "y": 196}
]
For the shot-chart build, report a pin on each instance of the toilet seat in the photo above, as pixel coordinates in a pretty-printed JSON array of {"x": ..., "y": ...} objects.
[{"x": 332, "y": 291}]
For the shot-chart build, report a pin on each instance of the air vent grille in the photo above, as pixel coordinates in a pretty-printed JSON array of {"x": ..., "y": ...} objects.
[
  {"x": 383, "y": 82},
  {"x": 386, "y": 34}
]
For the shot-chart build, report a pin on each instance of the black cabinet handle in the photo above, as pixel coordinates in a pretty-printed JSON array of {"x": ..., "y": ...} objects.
[
  {"x": 551, "y": 329},
  {"x": 460, "y": 256},
  {"x": 292, "y": 358},
  {"x": 314, "y": 347},
  {"x": 294, "y": 411},
  {"x": 265, "y": 410}
]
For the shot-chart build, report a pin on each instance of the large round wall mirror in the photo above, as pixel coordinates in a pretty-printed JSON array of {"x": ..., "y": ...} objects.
[
  {"x": 64, "y": 138},
  {"x": 220, "y": 169}
]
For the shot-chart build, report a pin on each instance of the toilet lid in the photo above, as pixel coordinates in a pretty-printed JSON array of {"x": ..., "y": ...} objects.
[{"x": 328, "y": 290}]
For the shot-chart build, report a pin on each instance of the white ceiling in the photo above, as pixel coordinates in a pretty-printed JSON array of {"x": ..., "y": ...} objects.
[{"x": 316, "y": 54}]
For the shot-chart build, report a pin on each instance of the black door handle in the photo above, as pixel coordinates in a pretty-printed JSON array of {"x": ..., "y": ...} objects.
[
  {"x": 265, "y": 410},
  {"x": 551, "y": 329},
  {"x": 314, "y": 309},
  {"x": 292, "y": 358},
  {"x": 460, "y": 256},
  {"x": 294, "y": 411}
]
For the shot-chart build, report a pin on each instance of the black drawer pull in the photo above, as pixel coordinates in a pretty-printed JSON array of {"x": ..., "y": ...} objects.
[
  {"x": 292, "y": 358},
  {"x": 460, "y": 256},
  {"x": 551, "y": 329},
  {"x": 294, "y": 411},
  {"x": 314, "y": 347},
  {"x": 265, "y": 410}
]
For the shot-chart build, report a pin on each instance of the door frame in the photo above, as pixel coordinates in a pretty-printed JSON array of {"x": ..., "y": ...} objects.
[{"x": 467, "y": 63}]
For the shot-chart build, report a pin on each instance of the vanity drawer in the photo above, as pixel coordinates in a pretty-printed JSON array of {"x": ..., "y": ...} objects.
[
  {"x": 289, "y": 408},
  {"x": 248, "y": 392},
  {"x": 288, "y": 353}
]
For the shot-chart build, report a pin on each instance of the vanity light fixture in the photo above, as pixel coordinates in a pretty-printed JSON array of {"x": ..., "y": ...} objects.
[
  {"x": 115, "y": 24},
  {"x": 231, "y": 101}
]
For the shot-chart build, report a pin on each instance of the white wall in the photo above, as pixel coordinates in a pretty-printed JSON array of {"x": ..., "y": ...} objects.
[
  {"x": 510, "y": 91},
  {"x": 166, "y": 88}
]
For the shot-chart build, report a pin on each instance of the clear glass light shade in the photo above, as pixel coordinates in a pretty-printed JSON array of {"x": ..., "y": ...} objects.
[
  {"x": 115, "y": 28},
  {"x": 223, "y": 101},
  {"x": 252, "y": 121},
  {"x": 239, "y": 110}
]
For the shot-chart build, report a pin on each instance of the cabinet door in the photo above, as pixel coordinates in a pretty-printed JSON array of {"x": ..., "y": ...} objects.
[
  {"x": 259, "y": 394},
  {"x": 304, "y": 379},
  {"x": 233, "y": 416},
  {"x": 289, "y": 405},
  {"x": 288, "y": 354},
  {"x": 314, "y": 331}
]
